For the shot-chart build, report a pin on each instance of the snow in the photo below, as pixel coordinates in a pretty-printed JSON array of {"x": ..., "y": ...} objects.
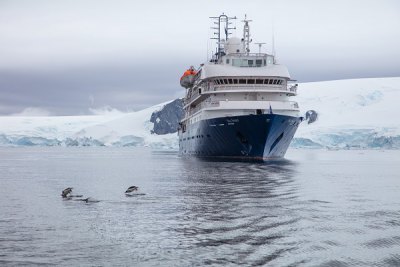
[
  {"x": 110, "y": 129},
  {"x": 358, "y": 113}
]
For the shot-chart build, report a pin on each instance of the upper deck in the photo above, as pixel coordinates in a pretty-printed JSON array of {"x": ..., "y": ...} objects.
[{"x": 230, "y": 68}]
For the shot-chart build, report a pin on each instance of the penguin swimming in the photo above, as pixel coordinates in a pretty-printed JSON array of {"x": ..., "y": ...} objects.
[
  {"x": 66, "y": 192},
  {"x": 133, "y": 191}
]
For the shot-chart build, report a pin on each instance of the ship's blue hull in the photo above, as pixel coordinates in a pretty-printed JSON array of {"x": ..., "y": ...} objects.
[{"x": 249, "y": 137}]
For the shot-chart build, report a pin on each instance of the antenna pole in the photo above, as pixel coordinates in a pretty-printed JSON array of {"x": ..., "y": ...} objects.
[
  {"x": 246, "y": 35},
  {"x": 221, "y": 21},
  {"x": 273, "y": 41}
]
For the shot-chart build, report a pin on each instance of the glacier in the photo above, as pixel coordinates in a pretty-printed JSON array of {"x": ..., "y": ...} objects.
[{"x": 352, "y": 114}]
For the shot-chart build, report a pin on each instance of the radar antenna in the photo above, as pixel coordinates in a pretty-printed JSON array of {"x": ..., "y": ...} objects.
[
  {"x": 221, "y": 22},
  {"x": 246, "y": 35},
  {"x": 259, "y": 46}
]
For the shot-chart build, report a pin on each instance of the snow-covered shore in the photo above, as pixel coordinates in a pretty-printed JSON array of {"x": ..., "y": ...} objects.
[{"x": 357, "y": 113}]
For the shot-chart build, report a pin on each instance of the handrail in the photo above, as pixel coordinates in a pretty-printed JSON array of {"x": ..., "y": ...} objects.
[
  {"x": 249, "y": 54},
  {"x": 292, "y": 88},
  {"x": 269, "y": 87},
  {"x": 292, "y": 104}
]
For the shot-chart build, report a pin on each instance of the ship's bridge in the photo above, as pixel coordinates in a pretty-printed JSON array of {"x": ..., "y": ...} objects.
[
  {"x": 211, "y": 70},
  {"x": 236, "y": 60},
  {"x": 235, "y": 53}
]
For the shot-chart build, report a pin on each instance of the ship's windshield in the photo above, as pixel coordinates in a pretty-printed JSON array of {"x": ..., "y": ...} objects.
[{"x": 241, "y": 62}]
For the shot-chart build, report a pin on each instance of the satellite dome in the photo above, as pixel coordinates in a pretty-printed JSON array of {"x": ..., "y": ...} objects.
[{"x": 233, "y": 45}]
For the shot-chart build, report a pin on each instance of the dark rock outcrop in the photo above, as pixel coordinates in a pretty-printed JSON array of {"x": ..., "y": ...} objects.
[
  {"x": 167, "y": 119},
  {"x": 311, "y": 116}
]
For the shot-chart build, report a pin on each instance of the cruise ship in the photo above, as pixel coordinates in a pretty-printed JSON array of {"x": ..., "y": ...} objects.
[{"x": 237, "y": 105}]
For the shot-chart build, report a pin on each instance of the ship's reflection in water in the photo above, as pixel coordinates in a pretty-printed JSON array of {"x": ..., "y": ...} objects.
[{"x": 239, "y": 212}]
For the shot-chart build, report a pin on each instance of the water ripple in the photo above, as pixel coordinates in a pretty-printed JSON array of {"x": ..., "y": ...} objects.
[{"x": 325, "y": 210}]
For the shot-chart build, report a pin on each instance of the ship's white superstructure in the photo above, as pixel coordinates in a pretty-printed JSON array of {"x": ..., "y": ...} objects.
[{"x": 237, "y": 83}]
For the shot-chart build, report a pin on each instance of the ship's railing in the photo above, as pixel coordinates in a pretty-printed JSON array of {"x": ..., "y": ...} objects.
[
  {"x": 252, "y": 87},
  {"x": 248, "y": 54},
  {"x": 250, "y": 104},
  {"x": 210, "y": 88},
  {"x": 292, "y": 88},
  {"x": 194, "y": 94},
  {"x": 256, "y": 104},
  {"x": 206, "y": 104}
]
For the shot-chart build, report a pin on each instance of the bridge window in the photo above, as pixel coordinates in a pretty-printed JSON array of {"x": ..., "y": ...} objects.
[
  {"x": 235, "y": 81},
  {"x": 259, "y": 81},
  {"x": 236, "y": 62},
  {"x": 248, "y": 62},
  {"x": 250, "y": 81},
  {"x": 266, "y": 81},
  {"x": 230, "y": 81},
  {"x": 225, "y": 81},
  {"x": 242, "y": 81},
  {"x": 275, "y": 81},
  {"x": 270, "y": 81}
]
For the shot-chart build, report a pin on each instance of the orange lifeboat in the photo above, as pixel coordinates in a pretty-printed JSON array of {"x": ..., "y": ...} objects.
[{"x": 187, "y": 78}]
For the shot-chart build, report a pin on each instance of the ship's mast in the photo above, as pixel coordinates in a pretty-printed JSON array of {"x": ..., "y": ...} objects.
[
  {"x": 246, "y": 35},
  {"x": 221, "y": 23}
]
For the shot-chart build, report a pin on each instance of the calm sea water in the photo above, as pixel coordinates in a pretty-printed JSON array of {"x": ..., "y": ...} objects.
[{"x": 316, "y": 208}]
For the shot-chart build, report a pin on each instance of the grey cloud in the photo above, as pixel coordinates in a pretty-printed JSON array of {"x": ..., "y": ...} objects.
[
  {"x": 70, "y": 56},
  {"x": 74, "y": 91}
]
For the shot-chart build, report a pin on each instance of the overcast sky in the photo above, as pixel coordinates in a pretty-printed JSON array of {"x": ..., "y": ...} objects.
[{"x": 70, "y": 57}]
